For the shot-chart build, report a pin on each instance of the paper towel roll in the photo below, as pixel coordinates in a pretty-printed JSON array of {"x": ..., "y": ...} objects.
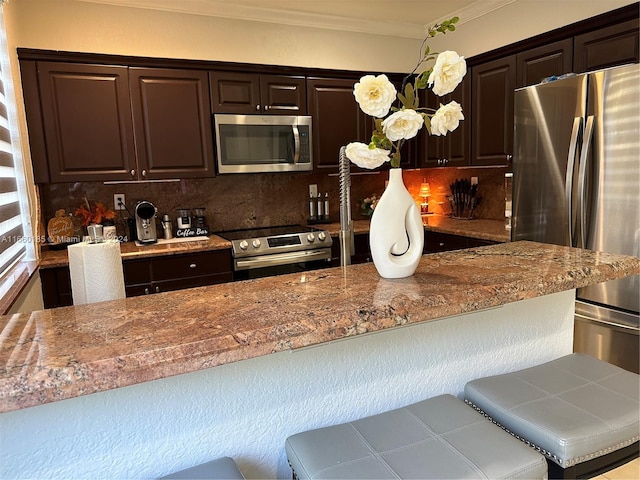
[{"x": 96, "y": 272}]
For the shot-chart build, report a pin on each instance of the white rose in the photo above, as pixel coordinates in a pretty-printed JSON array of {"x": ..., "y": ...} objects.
[
  {"x": 447, "y": 72},
  {"x": 446, "y": 119},
  {"x": 365, "y": 157},
  {"x": 374, "y": 95},
  {"x": 403, "y": 124}
]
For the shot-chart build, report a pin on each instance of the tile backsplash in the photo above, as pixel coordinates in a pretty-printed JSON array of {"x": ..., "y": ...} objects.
[{"x": 256, "y": 200}]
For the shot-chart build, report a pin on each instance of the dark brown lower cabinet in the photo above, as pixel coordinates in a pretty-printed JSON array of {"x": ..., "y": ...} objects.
[
  {"x": 361, "y": 254},
  {"x": 442, "y": 242},
  {"x": 148, "y": 275}
]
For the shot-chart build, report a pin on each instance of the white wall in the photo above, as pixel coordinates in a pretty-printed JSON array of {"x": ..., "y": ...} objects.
[{"x": 247, "y": 409}]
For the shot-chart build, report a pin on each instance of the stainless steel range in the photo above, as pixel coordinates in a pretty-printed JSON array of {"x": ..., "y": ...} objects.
[{"x": 268, "y": 251}]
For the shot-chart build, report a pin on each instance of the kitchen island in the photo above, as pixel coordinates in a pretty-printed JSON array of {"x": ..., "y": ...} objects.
[{"x": 281, "y": 364}]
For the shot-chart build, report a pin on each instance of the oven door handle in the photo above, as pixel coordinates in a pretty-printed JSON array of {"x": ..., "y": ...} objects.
[{"x": 276, "y": 259}]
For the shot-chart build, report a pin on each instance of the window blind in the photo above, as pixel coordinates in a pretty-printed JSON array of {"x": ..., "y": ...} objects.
[{"x": 12, "y": 240}]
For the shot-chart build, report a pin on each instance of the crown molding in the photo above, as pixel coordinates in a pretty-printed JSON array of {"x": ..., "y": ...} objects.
[{"x": 225, "y": 9}]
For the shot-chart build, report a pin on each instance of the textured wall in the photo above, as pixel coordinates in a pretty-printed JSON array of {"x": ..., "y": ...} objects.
[{"x": 247, "y": 409}]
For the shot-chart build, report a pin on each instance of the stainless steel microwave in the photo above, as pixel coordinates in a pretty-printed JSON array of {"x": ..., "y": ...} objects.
[{"x": 263, "y": 143}]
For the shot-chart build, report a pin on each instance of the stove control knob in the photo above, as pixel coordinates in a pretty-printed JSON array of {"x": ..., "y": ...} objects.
[
  {"x": 322, "y": 236},
  {"x": 311, "y": 238},
  {"x": 243, "y": 245},
  {"x": 256, "y": 243}
]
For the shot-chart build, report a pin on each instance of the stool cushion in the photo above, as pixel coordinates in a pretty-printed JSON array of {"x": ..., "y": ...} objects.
[
  {"x": 574, "y": 409},
  {"x": 437, "y": 438},
  {"x": 220, "y": 469}
]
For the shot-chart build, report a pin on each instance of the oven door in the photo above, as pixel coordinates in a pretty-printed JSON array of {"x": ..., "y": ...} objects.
[
  {"x": 281, "y": 263},
  {"x": 262, "y": 143}
]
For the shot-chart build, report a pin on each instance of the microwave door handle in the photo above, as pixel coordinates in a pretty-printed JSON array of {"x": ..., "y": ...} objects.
[
  {"x": 568, "y": 187},
  {"x": 296, "y": 144},
  {"x": 582, "y": 178}
]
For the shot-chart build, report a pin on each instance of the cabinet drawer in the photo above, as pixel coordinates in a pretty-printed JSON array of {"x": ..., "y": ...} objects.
[{"x": 190, "y": 265}]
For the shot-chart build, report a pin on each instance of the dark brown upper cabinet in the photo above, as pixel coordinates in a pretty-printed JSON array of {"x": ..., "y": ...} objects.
[
  {"x": 86, "y": 120},
  {"x": 615, "y": 45},
  {"x": 536, "y": 64},
  {"x": 250, "y": 93},
  {"x": 452, "y": 149},
  {"x": 172, "y": 123},
  {"x": 492, "y": 111},
  {"x": 114, "y": 123},
  {"x": 337, "y": 120}
]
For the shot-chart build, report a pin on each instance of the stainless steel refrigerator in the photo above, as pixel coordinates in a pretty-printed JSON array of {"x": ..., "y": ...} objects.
[{"x": 576, "y": 181}]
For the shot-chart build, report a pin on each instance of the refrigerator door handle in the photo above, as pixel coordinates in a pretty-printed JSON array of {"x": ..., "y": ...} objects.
[
  {"x": 568, "y": 186},
  {"x": 582, "y": 179}
]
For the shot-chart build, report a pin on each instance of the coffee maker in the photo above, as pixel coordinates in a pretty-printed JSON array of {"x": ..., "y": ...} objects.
[{"x": 145, "y": 214}]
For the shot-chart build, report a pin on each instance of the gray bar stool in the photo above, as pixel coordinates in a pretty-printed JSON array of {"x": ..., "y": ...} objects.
[
  {"x": 220, "y": 469},
  {"x": 437, "y": 438},
  {"x": 580, "y": 412}
]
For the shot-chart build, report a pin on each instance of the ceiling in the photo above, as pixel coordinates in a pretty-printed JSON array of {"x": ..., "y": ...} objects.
[{"x": 404, "y": 18}]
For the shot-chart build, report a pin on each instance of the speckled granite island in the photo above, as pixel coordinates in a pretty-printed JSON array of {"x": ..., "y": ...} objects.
[{"x": 280, "y": 364}]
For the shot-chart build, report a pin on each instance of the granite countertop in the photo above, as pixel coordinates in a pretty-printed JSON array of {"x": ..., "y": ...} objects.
[
  {"x": 478, "y": 228},
  {"x": 60, "y": 258},
  {"x": 67, "y": 352}
]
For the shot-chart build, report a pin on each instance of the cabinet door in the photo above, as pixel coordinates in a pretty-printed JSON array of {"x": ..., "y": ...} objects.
[
  {"x": 87, "y": 122},
  {"x": 539, "y": 63},
  {"x": 284, "y": 95},
  {"x": 56, "y": 287},
  {"x": 235, "y": 92},
  {"x": 615, "y": 45},
  {"x": 337, "y": 120},
  {"x": 492, "y": 111},
  {"x": 451, "y": 149},
  {"x": 137, "y": 277},
  {"x": 172, "y": 123},
  {"x": 457, "y": 143}
]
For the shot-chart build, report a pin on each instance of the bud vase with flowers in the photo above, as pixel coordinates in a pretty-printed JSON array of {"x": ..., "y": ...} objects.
[
  {"x": 97, "y": 214},
  {"x": 396, "y": 235}
]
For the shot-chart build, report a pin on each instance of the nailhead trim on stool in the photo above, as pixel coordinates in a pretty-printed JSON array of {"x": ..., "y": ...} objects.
[
  {"x": 437, "y": 438},
  {"x": 572, "y": 409}
]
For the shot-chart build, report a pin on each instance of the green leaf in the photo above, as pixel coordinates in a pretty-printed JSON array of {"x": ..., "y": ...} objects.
[{"x": 409, "y": 96}]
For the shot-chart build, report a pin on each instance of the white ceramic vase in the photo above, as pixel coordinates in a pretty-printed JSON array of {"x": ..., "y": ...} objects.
[{"x": 396, "y": 235}]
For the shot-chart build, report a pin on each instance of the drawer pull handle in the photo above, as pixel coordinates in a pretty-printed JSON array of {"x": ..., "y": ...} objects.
[
  {"x": 193, "y": 265},
  {"x": 146, "y": 291},
  {"x": 157, "y": 289},
  {"x": 441, "y": 244}
]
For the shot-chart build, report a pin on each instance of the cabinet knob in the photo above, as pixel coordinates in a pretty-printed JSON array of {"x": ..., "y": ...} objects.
[
  {"x": 258, "y": 107},
  {"x": 146, "y": 291},
  {"x": 144, "y": 173},
  {"x": 133, "y": 173},
  {"x": 157, "y": 289},
  {"x": 193, "y": 265},
  {"x": 267, "y": 107},
  {"x": 441, "y": 244}
]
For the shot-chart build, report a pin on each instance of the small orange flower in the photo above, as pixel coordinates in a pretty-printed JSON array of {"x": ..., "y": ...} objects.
[{"x": 97, "y": 214}]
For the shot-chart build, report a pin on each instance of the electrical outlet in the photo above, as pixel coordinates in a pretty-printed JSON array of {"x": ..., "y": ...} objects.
[
  {"x": 313, "y": 190},
  {"x": 119, "y": 201},
  {"x": 474, "y": 180}
]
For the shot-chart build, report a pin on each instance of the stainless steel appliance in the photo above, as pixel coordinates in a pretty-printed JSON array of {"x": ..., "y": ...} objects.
[
  {"x": 576, "y": 170},
  {"x": 263, "y": 143},
  {"x": 145, "y": 213},
  {"x": 268, "y": 251}
]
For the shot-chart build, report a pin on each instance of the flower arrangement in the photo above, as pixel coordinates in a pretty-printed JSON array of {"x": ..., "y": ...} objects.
[
  {"x": 376, "y": 94},
  {"x": 96, "y": 214},
  {"x": 368, "y": 205}
]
